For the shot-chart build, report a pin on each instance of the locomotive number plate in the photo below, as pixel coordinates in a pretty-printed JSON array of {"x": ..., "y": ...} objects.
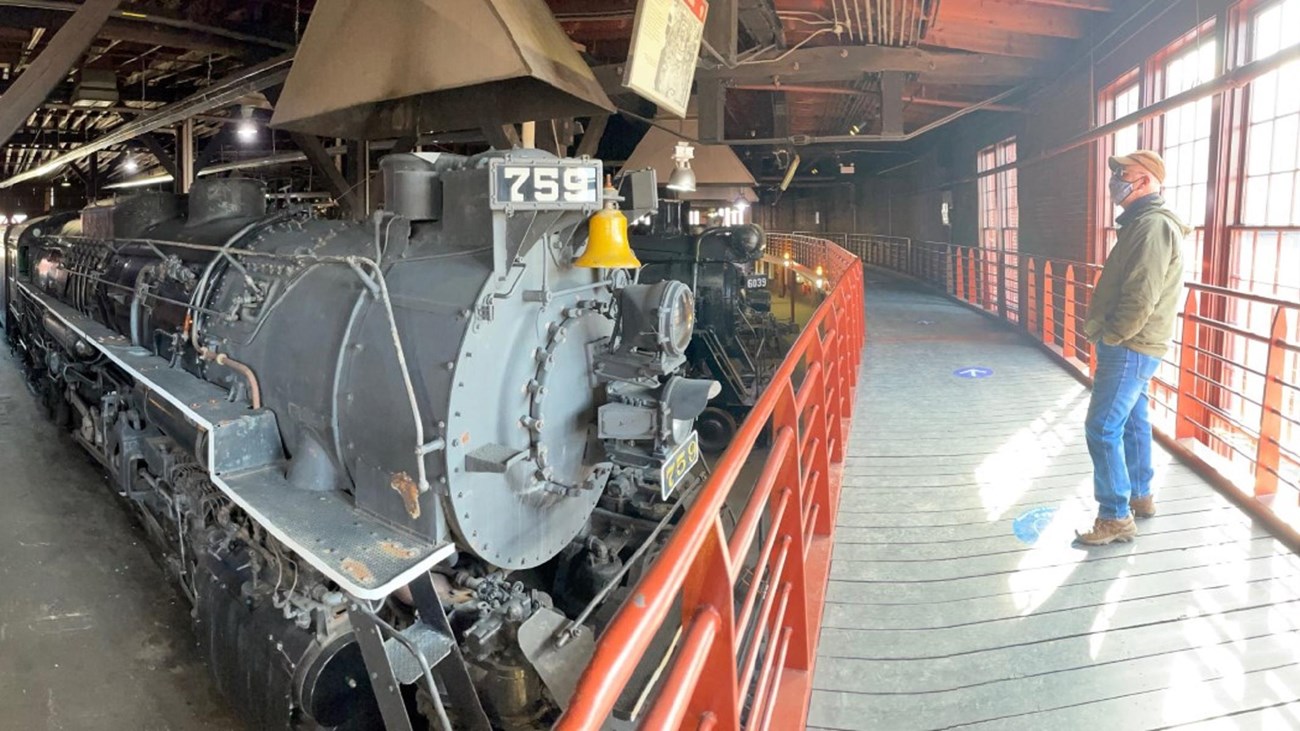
[
  {"x": 756, "y": 281},
  {"x": 551, "y": 185},
  {"x": 678, "y": 465}
]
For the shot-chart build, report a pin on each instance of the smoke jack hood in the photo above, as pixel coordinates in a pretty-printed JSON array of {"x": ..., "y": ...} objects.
[{"x": 375, "y": 69}]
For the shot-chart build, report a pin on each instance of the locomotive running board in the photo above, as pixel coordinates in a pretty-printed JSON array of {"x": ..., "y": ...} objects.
[{"x": 365, "y": 556}]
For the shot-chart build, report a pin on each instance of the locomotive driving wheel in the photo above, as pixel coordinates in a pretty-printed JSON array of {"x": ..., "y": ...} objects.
[{"x": 716, "y": 428}]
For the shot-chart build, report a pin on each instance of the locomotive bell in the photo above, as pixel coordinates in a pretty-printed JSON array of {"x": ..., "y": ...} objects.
[{"x": 607, "y": 244}]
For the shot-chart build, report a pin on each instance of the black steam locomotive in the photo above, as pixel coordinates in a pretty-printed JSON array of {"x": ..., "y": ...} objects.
[
  {"x": 400, "y": 467},
  {"x": 737, "y": 341}
]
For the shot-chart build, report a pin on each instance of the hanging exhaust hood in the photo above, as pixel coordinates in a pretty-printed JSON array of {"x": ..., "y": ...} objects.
[{"x": 376, "y": 69}]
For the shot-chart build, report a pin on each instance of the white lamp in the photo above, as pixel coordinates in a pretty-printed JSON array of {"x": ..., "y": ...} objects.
[{"x": 683, "y": 177}]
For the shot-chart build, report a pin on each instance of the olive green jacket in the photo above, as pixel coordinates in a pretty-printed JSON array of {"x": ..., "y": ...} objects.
[{"x": 1136, "y": 300}]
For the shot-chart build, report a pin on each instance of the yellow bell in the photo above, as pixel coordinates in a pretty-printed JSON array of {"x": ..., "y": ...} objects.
[{"x": 607, "y": 244}]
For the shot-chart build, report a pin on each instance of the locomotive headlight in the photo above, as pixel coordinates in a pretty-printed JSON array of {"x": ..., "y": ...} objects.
[
  {"x": 676, "y": 317},
  {"x": 656, "y": 321}
]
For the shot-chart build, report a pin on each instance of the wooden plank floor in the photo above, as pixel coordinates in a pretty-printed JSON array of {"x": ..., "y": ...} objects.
[{"x": 946, "y": 611}]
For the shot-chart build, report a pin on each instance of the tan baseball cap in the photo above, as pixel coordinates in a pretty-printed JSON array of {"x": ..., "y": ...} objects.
[{"x": 1145, "y": 159}]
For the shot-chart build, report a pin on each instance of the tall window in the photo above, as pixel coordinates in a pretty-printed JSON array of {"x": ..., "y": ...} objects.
[
  {"x": 999, "y": 227},
  {"x": 1120, "y": 100},
  {"x": 1264, "y": 253},
  {"x": 1185, "y": 136}
]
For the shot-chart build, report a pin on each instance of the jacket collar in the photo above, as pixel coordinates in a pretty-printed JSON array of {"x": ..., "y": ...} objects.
[{"x": 1138, "y": 207}]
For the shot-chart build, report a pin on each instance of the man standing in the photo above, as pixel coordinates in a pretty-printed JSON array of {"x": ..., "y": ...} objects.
[{"x": 1130, "y": 323}]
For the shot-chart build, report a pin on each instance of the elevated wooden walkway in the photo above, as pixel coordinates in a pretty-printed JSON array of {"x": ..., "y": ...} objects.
[{"x": 957, "y": 599}]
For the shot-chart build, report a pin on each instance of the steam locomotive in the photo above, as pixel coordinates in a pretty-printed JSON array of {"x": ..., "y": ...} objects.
[
  {"x": 737, "y": 340},
  {"x": 400, "y": 467}
]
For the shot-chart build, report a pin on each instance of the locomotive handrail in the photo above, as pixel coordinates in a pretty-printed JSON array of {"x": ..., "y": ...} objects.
[{"x": 751, "y": 663}]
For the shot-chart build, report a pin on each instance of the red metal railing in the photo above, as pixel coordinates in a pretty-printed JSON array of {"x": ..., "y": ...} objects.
[
  {"x": 746, "y": 597},
  {"x": 1227, "y": 392}
]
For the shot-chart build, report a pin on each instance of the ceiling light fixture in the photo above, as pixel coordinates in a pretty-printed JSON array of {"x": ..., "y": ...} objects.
[{"x": 683, "y": 177}]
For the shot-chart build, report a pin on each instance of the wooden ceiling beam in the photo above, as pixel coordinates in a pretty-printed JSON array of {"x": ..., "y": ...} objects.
[
  {"x": 1012, "y": 16},
  {"x": 990, "y": 42},
  {"x": 850, "y": 63},
  {"x": 1092, "y": 6}
]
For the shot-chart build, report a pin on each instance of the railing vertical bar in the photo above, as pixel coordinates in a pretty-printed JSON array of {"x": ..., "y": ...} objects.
[
  {"x": 1268, "y": 455},
  {"x": 1069, "y": 326}
]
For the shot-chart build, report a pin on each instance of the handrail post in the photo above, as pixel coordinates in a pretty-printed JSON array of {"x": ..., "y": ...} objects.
[
  {"x": 972, "y": 282},
  {"x": 1092, "y": 347},
  {"x": 1185, "y": 426},
  {"x": 1069, "y": 328},
  {"x": 708, "y": 588},
  {"x": 1031, "y": 295},
  {"x": 1268, "y": 456},
  {"x": 959, "y": 269},
  {"x": 786, "y": 415},
  {"x": 1049, "y": 303}
]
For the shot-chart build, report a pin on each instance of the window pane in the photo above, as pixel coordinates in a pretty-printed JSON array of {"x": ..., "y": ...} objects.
[
  {"x": 1256, "y": 201},
  {"x": 1279, "y": 199},
  {"x": 1263, "y": 97},
  {"x": 1268, "y": 25},
  {"x": 1285, "y": 131},
  {"x": 1288, "y": 88},
  {"x": 1257, "y": 142}
]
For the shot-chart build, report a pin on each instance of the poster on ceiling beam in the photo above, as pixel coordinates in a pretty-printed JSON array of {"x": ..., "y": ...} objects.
[{"x": 665, "y": 47}]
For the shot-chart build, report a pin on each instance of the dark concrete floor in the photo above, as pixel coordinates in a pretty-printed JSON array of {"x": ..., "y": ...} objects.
[{"x": 92, "y": 633}]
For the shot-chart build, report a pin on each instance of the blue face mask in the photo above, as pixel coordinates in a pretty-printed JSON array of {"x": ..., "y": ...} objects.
[{"x": 1119, "y": 190}]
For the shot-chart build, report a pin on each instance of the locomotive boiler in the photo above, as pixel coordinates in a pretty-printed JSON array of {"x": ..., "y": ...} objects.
[{"x": 396, "y": 465}]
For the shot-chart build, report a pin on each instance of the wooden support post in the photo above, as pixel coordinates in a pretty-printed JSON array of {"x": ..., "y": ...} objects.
[
  {"x": 502, "y": 136},
  {"x": 891, "y": 102},
  {"x": 1268, "y": 456},
  {"x": 358, "y": 177},
  {"x": 712, "y": 105},
  {"x": 1049, "y": 302},
  {"x": 323, "y": 164},
  {"x": 185, "y": 172},
  {"x": 591, "y": 136},
  {"x": 1188, "y": 412}
]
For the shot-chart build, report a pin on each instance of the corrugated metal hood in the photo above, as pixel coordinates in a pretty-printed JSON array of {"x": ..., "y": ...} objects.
[{"x": 369, "y": 69}]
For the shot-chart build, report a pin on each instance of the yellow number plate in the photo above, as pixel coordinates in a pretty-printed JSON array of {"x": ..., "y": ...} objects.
[{"x": 678, "y": 465}]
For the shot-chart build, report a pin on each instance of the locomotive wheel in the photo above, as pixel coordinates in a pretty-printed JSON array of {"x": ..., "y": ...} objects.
[{"x": 716, "y": 427}]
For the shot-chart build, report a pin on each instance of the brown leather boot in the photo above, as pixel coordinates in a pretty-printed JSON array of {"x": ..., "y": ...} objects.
[
  {"x": 1143, "y": 507},
  {"x": 1108, "y": 531}
]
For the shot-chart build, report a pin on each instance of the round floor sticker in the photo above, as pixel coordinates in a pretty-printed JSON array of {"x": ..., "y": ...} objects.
[
  {"x": 973, "y": 372},
  {"x": 1031, "y": 524}
]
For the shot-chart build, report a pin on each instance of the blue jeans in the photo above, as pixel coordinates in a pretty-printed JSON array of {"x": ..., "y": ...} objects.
[{"x": 1118, "y": 429}]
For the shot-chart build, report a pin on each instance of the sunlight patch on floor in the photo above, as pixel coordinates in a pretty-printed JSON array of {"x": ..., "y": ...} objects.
[{"x": 1004, "y": 476}]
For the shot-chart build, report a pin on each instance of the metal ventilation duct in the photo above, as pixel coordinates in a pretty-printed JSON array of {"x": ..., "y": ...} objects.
[{"x": 369, "y": 69}]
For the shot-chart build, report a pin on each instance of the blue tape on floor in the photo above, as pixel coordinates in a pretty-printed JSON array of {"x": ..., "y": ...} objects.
[{"x": 1031, "y": 524}]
